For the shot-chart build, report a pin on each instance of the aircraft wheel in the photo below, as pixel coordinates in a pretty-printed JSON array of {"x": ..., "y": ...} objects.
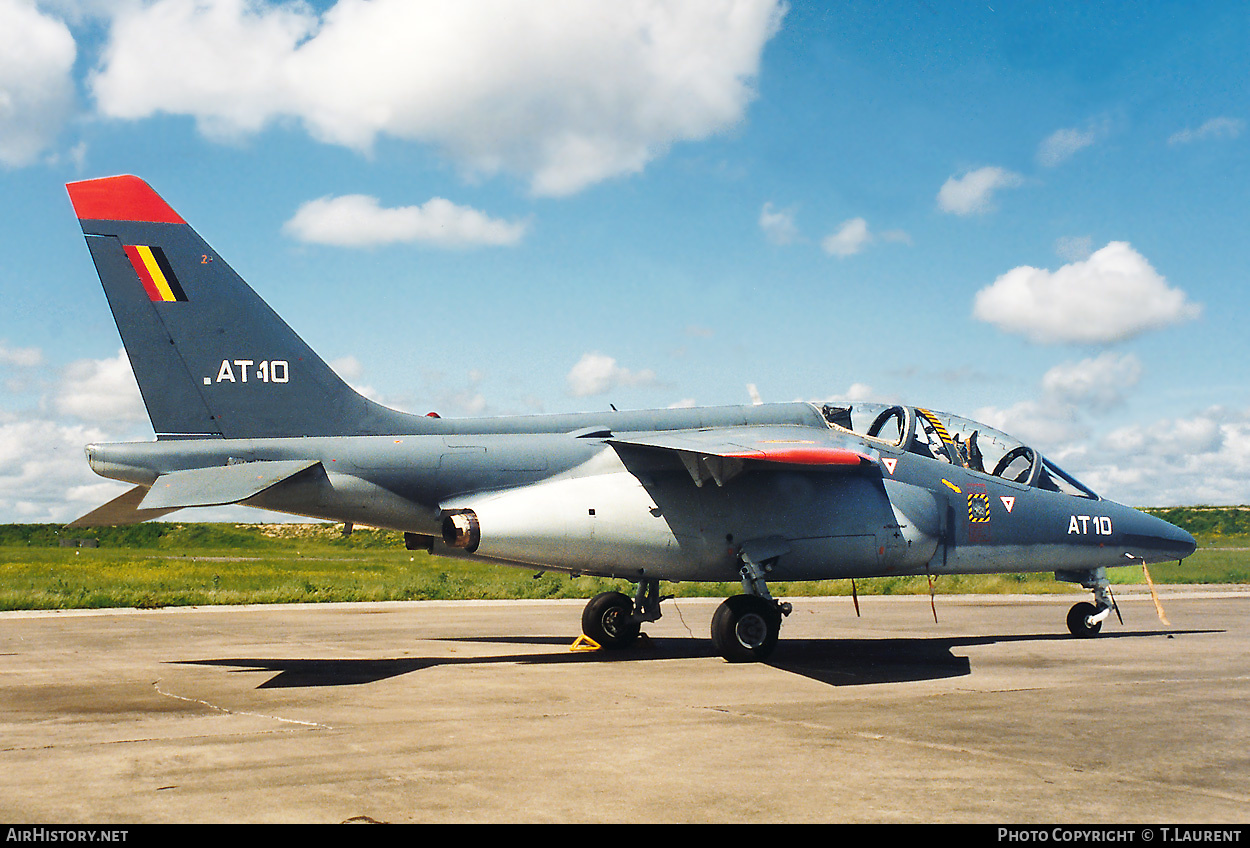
[
  {"x": 1077, "y": 623},
  {"x": 608, "y": 620},
  {"x": 745, "y": 628}
]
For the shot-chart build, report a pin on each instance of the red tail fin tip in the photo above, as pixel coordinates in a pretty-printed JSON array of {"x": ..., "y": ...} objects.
[{"x": 124, "y": 198}]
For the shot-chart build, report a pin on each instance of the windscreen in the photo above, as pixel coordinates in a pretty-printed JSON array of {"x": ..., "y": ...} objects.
[{"x": 959, "y": 441}]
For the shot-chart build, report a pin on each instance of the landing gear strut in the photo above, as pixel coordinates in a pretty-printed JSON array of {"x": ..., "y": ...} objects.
[
  {"x": 613, "y": 620},
  {"x": 745, "y": 627},
  {"x": 1085, "y": 619}
]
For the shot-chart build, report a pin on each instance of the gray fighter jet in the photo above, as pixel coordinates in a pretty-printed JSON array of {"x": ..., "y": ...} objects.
[{"x": 245, "y": 412}]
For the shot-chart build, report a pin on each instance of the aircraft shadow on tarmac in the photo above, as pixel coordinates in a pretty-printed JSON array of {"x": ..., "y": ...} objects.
[{"x": 836, "y": 662}]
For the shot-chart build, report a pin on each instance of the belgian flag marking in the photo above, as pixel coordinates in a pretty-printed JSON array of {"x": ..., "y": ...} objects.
[{"x": 155, "y": 273}]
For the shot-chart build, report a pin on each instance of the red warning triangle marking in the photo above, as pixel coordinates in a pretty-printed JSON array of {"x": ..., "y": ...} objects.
[
  {"x": 889, "y": 464},
  {"x": 1009, "y": 501}
]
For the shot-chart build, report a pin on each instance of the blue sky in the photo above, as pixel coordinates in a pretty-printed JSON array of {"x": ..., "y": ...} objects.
[{"x": 1029, "y": 214}]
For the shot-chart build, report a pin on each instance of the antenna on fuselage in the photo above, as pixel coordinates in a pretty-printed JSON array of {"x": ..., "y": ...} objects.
[{"x": 932, "y": 603}]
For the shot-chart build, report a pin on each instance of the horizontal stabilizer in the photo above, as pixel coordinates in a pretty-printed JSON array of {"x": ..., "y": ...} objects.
[
  {"x": 223, "y": 484},
  {"x": 721, "y": 453},
  {"x": 123, "y": 509}
]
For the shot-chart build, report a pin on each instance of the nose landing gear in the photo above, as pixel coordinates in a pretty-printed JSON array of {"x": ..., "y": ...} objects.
[{"x": 1085, "y": 619}]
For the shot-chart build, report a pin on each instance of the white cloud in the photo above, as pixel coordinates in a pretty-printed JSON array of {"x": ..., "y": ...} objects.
[
  {"x": 44, "y": 474},
  {"x": 858, "y": 393},
  {"x": 1112, "y": 296},
  {"x": 348, "y": 367},
  {"x": 1097, "y": 383},
  {"x": 226, "y": 62},
  {"x": 100, "y": 390},
  {"x": 36, "y": 88},
  {"x": 1215, "y": 128},
  {"x": 778, "y": 225},
  {"x": 464, "y": 397},
  {"x": 20, "y": 357},
  {"x": 854, "y": 235},
  {"x": 1074, "y": 248},
  {"x": 465, "y": 402},
  {"x": 1049, "y": 427},
  {"x": 1061, "y": 145},
  {"x": 1200, "y": 434},
  {"x": 849, "y": 239},
  {"x": 1061, "y": 423},
  {"x": 1073, "y": 394},
  {"x": 564, "y": 93},
  {"x": 1203, "y": 458},
  {"x": 597, "y": 374},
  {"x": 1199, "y": 459},
  {"x": 973, "y": 191},
  {"x": 355, "y": 220}
]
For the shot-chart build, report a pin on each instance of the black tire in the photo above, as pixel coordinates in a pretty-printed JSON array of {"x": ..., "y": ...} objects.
[
  {"x": 607, "y": 620},
  {"x": 1077, "y": 621},
  {"x": 745, "y": 628}
]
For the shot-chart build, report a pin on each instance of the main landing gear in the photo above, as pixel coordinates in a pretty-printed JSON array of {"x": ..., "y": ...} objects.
[
  {"x": 1085, "y": 619},
  {"x": 613, "y": 620},
  {"x": 744, "y": 628}
]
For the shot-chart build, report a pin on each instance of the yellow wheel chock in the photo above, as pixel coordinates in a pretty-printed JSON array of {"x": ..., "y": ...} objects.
[{"x": 585, "y": 643}]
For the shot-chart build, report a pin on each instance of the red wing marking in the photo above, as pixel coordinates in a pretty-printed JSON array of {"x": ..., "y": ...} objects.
[{"x": 805, "y": 456}]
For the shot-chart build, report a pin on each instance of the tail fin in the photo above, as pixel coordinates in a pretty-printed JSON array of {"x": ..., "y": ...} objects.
[{"x": 211, "y": 358}]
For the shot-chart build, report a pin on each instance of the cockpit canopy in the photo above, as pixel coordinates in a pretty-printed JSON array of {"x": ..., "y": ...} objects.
[{"x": 959, "y": 441}]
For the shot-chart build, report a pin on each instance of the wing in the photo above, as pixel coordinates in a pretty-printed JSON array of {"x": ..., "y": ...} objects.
[
  {"x": 721, "y": 453},
  {"x": 195, "y": 487},
  {"x": 123, "y": 509}
]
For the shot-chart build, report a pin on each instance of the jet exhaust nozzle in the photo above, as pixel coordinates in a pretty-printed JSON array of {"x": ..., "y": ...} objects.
[{"x": 461, "y": 529}]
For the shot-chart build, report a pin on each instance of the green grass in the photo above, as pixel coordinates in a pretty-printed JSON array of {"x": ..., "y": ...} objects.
[
  {"x": 1211, "y": 522},
  {"x": 172, "y": 564}
]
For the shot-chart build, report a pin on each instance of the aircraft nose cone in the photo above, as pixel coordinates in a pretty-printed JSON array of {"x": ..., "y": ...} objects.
[
  {"x": 1184, "y": 542},
  {"x": 1155, "y": 540}
]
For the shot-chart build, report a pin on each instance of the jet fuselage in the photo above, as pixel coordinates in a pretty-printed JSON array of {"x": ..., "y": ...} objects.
[{"x": 553, "y": 492}]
